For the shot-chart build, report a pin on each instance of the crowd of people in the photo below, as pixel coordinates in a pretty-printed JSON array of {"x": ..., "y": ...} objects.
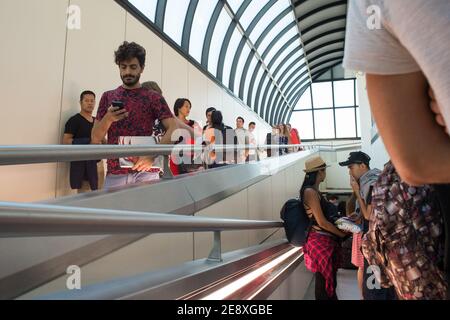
[
  {"x": 403, "y": 249},
  {"x": 136, "y": 113}
]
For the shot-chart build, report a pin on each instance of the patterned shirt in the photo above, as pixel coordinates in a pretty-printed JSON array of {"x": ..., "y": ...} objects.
[
  {"x": 405, "y": 238},
  {"x": 144, "y": 107}
]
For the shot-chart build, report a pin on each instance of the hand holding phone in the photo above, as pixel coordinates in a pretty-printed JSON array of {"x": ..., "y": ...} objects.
[
  {"x": 118, "y": 104},
  {"x": 117, "y": 112}
]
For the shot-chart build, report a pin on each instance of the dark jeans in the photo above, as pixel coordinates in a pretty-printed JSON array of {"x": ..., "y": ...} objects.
[
  {"x": 321, "y": 292},
  {"x": 376, "y": 294}
]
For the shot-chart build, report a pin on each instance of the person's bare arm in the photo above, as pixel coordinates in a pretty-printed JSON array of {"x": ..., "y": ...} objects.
[
  {"x": 172, "y": 124},
  {"x": 365, "y": 209},
  {"x": 68, "y": 138},
  {"x": 101, "y": 127},
  {"x": 419, "y": 148},
  {"x": 313, "y": 202}
]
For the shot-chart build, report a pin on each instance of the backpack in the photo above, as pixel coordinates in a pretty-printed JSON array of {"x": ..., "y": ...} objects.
[
  {"x": 296, "y": 222},
  {"x": 405, "y": 238}
]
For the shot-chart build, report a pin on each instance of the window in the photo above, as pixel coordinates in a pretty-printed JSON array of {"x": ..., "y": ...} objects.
[
  {"x": 263, "y": 26},
  {"x": 345, "y": 123},
  {"x": 305, "y": 101},
  {"x": 303, "y": 122},
  {"x": 235, "y": 5},
  {"x": 343, "y": 93},
  {"x": 147, "y": 7},
  {"x": 280, "y": 43},
  {"x": 334, "y": 112},
  {"x": 240, "y": 67},
  {"x": 324, "y": 124},
  {"x": 174, "y": 19},
  {"x": 203, "y": 13},
  {"x": 322, "y": 95},
  {"x": 216, "y": 42},
  {"x": 229, "y": 56},
  {"x": 276, "y": 30},
  {"x": 251, "y": 12},
  {"x": 273, "y": 12}
]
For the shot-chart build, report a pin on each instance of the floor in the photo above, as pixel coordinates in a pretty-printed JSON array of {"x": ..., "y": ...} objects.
[{"x": 347, "y": 287}]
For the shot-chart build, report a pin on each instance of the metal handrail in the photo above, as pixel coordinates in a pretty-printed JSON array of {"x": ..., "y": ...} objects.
[
  {"x": 15, "y": 155},
  {"x": 36, "y": 220}
]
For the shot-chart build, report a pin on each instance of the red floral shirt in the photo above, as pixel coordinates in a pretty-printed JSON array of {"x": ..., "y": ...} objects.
[{"x": 144, "y": 108}]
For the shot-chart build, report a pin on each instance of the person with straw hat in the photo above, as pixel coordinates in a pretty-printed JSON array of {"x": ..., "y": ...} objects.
[{"x": 322, "y": 247}]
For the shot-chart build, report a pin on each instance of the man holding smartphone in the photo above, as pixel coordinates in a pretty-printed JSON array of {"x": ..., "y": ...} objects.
[{"x": 128, "y": 113}]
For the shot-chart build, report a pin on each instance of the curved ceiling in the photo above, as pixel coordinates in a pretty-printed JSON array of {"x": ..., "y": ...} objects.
[{"x": 266, "y": 52}]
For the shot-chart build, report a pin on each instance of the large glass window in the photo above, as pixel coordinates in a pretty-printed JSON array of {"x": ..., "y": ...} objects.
[
  {"x": 305, "y": 101},
  {"x": 252, "y": 99},
  {"x": 279, "y": 44},
  {"x": 276, "y": 30},
  {"x": 251, "y": 69},
  {"x": 174, "y": 19},
  {"x": 202, "y": 17},
  {"x": 251, "y": 12},
  {"x": 324, "y": 124},
  {"x": 229, "y": 56},
  {"x": 334, "y": 113},
  {"x": 345, "y": 123},
  {"x": 147, "y": 7},
  {"x": 240, "y": 67},
  {"x": 235, "y": 5},
  {"x": 322, "y": 95},
  {"x": 303, "y": 122},
  {"x": 343, "y": 93},
  {"x": 195, "y": 26},
  {"x": 287, "y": 63},
  {"x": 216, "y": 42},
  {"x": 273, "y": 12},
  {"x": 291, "y": 48}
]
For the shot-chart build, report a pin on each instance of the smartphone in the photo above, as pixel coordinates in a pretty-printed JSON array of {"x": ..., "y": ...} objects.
[{"x": 118, "y": 104}]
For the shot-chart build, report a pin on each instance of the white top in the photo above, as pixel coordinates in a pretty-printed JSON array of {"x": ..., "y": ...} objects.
[
  {"x": 242, "y": 135},
  {"x": 252, "y": 142},
  {"x": 243, "y": 139},
  {"x": 402, "y": 36}
]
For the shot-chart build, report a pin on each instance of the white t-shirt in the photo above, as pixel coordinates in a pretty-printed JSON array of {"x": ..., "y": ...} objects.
[
  {"x": 413, "y": 35},
  {"x": 242, "y": 139},
  {"x": 252, "y": 142}
]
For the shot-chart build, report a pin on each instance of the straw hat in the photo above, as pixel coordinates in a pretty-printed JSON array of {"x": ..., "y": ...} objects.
[{"x": 315, "y": 164}]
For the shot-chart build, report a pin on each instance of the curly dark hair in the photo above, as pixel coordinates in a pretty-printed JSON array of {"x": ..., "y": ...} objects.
[{"x": 130, "y": 50}]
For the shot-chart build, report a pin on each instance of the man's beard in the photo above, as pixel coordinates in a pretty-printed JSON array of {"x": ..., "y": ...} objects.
[{"x": 131, "y": 81}]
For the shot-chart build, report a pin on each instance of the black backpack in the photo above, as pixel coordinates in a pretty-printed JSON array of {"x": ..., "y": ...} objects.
[{"x": 296, "y": 222}]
